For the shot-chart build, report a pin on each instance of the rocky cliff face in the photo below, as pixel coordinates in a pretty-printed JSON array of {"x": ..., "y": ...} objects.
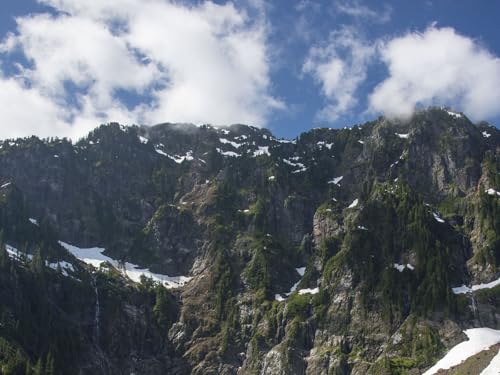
[{"x": 335, "y": 253}]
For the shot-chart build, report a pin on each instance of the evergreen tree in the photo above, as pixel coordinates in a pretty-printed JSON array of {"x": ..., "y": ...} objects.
[
  {"x": 4, "y": 257},
  {"x": 50, "y": 364},
  {"x": 160, "y": 309},
  {"x": 37, "y": 265},
  {"x": 39, "y": 368}
]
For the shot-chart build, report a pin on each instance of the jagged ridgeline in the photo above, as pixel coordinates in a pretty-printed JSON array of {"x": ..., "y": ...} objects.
[{"x": 177, "y": 249}]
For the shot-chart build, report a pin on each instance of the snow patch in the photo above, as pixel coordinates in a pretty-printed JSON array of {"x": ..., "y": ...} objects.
[
  {"x": 33, "y": 221},
  {"x": 303, "y": 169},
  {"x": 271, "y": 178},
  {"x": 285, "y": 141},
  {"x": 177, "y": 158},
  {"x": 143, "y": 139},
  {"x": 161, "y": 152},
  {"x": 279, "y": 298},
  {"x": 95, "y": 257},
  {"x": 5, "y": 185},
  {"x": 465, "y": 289},
  {"x": 437, "y": 218},
  {"x": 61, "y": 265},
  {"x": 231, "y": 154},
  {"x": 491, "y": 191},
  {"x": 309, "y": 291},
  {"x": 227, "y": 141},
  {"x": 454, "y": 114},
  {"x": 479, "y": 339},
  {"x": 322, "y": 144},
  {"x": 301, "y": 270},
  {"x": 404, "y": 136},
  {"x": 336, "y": 180},
  {"x": 362, "y": 142},
  {"x": 486, "y": 134},
  {"x": 401, "y": 267},
  {"x": 354, "y": 203},
  {"x": 15, "y": 254},
  {"x": 262, "y": 150}
]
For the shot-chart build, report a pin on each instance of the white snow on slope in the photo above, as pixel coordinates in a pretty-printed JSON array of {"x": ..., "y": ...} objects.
[
  {"x": 19, "y": 256},
  {"x": 479, "y": 339},
  {"x": 404, "y": 136},
  {"x": 465, "y": 289},
  {"x": 336, "y": 180},
  {"x": 361, "y": 142},
  {"x": 227, "y": 141},
  {"x": 494, "y": 367},
  {"x": 33, "y": 221},
  {"x": 161, "y": 152},
  {"x": 401, "y": 267},
  {"x": 322, "y": 144},
  {"x": 177, "y": 158},
  {"x": 263, "y": 150},
  {"x": 454, "y": 114},
  {"x": 303, "y": 169},
  {"x": 354, "y": 203},
  {"x": 279, "y": 298},
  {"x": 63, "y": 265},
  {"x": 5, "y": 185},
  {"x": 486, "y": 134},
  {"x": 291, "y": 163},
  {"x": 438, "y": 219},
  {"x": 301, "y": 270},
  {"x": 95, "y": 257},
  {"x": 285, "y": 140},
  {"x": 15, "y": 254},
  {"x": 231, "y": 154},
  {"x": 309, "y": 291},
  {"x": 143, "y": 139},
  {"x": 491, "y": 191}
]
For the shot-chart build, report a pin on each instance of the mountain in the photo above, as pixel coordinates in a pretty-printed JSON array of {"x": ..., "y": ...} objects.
[{"x": 363, "y": 250}]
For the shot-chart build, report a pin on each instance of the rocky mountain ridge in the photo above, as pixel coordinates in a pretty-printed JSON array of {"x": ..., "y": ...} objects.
[{"x": 336, "y": 252}]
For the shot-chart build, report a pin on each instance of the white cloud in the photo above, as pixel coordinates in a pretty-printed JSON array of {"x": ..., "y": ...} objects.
[
  {"x": 24, "y": 109},
  {"x": 203, "y": 63},
  {"x": 357, "y": 10},
  {"x": 339, "y": 67},
  {"x": 438, "y": 66}
]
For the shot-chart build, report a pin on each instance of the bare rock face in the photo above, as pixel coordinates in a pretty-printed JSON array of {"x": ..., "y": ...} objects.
[{"x": 326, "y": 224}]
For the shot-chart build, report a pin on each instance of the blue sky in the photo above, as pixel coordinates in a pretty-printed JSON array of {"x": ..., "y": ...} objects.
[{"x": 67, "y": 66}]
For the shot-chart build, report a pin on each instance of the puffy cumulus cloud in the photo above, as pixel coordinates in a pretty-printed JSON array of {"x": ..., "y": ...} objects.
[
  {"x": 339, "y": 67},
  {"x": 72, "y": 49},
  {"x": 203, "y": 63},
  {"x": 25, "y": 109},
  {"x": 438, "y": 66}
]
